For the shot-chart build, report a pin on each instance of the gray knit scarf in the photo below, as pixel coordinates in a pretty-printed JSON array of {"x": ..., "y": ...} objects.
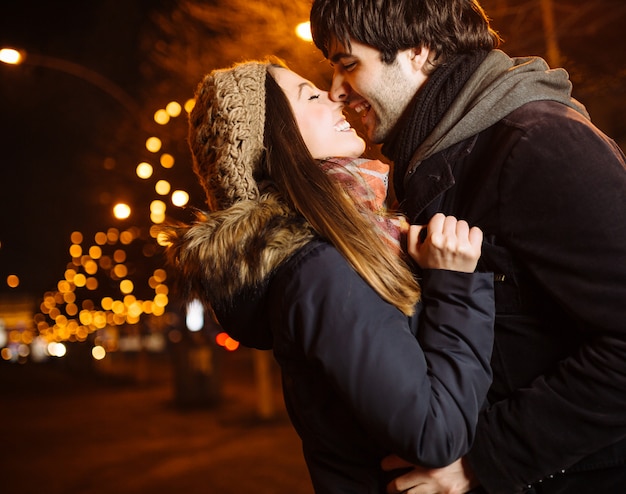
[{"x": 499, "y": 85}]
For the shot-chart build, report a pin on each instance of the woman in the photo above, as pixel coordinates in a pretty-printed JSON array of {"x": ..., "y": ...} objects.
[{"x": 288, "y": 260}]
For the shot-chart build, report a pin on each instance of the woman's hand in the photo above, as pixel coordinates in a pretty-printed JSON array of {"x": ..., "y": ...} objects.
[
  {"x": 446, "y": 243},
  {"x": 456, "y": 478}
]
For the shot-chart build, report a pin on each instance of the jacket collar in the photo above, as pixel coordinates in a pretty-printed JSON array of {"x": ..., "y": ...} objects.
[
  {"x": 228, "y": 252},
  {"x": 499, "y": 85}
]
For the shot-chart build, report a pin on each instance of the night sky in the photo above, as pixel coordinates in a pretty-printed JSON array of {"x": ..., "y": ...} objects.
[{"x": 53, "y": 126}]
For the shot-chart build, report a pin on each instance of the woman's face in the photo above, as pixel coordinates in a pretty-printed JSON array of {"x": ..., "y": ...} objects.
[{"x": 324, "y": 128}]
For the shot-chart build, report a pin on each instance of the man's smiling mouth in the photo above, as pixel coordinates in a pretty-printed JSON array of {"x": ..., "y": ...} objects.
[{"x": 362, "y": 108}]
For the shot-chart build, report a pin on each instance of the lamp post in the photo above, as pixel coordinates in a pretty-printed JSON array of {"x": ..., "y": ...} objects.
[{"x": 12, "y": 56}]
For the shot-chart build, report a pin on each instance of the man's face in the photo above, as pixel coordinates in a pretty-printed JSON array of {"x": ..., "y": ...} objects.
[{"x": 379, "y": 92}]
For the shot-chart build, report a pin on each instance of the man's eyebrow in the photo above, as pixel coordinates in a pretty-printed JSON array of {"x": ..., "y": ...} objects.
[{"x": 338, "y": 56}]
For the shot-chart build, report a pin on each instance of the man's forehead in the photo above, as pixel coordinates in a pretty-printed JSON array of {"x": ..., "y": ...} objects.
[{"x": 338, "y": 50}]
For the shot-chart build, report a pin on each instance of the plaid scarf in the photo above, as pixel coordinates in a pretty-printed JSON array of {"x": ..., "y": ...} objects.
[{"x": 366, "y": 181}]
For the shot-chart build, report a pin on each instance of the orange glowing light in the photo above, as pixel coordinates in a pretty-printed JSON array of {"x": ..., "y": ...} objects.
[
  {"x": 231, "y": 345},
  {"x": 13, "y": 281},
  {"x": 221, "y": 338}
]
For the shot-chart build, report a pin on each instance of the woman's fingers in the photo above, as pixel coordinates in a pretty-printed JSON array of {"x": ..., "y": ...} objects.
[{"x": 448, "y": 244}]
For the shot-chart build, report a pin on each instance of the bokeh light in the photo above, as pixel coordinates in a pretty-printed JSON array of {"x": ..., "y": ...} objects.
[
  {"x": 121, "y": 211},
  {"x": 144, "y": 170},
  {"x": 303, "y": 30},
  {"x": 153, "y": 144},
  {"x": 180, "y": 198}
]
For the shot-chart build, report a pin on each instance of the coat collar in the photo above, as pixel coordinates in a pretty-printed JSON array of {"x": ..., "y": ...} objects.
[{"x": 228, "y": 252}]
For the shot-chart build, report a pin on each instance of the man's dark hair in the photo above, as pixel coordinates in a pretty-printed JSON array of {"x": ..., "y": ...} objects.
[{"x": 446, "y": 27}]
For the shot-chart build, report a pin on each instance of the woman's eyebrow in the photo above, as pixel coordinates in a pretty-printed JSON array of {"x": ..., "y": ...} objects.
[{"x": 302, "y": 85}]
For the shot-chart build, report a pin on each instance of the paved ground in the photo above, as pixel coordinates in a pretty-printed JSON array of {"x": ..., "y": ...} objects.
[{"x": 65, "y": 432}]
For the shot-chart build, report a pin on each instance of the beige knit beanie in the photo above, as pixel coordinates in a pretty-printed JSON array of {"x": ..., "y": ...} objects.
[{"x": 226, "y": 128}]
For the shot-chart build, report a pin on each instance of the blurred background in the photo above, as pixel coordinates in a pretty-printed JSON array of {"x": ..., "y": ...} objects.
[{"x": 94, "y": 99}]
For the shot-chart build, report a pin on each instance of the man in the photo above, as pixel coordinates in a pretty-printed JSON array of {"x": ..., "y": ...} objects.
[{"x": 500, "y": 143}]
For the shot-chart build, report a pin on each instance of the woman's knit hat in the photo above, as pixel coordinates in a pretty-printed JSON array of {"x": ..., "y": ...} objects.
[{"x": 226, "y": 130}]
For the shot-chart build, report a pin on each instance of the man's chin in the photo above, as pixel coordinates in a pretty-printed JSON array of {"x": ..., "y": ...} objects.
[{"x": 374, "y": 136}]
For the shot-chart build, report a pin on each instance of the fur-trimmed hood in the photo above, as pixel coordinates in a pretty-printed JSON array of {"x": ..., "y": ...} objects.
[{"x": 236, "y": 250}]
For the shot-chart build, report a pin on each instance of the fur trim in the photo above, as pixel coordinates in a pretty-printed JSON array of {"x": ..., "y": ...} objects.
[{"x": 237, "y": 249}]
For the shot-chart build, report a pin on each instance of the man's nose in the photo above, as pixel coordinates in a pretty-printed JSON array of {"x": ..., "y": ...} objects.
[{"x": 339, "y": 89}]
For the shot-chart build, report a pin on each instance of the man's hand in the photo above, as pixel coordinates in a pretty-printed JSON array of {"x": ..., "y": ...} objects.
[
  {"x": 447, "y": 243},
  {"x": 456, "y": 478}
]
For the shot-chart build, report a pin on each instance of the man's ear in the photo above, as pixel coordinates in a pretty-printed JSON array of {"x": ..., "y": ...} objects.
[{"x": 419, "y": 57}]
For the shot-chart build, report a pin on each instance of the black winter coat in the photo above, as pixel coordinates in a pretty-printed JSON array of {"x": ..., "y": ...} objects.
[
  {"x": 359, "y": 380},
  {"x": 549, "y": 191}
]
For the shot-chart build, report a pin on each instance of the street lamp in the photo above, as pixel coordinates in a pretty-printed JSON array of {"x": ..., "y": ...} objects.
[
  {"x": 303, "y": 31},
  {"x": 12, "y": 56}
]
